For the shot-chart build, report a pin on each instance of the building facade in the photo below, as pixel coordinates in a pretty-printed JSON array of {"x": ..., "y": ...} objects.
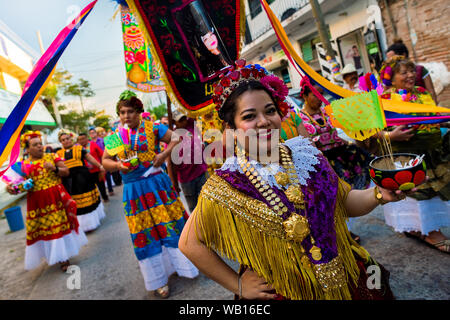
[
  {"x": 16, "y": 63},
  {"x": 355, "y": 28},
  {"x": 423, "y": 26}
]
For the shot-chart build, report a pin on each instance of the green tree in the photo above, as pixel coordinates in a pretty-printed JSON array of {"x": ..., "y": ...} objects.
[
  {"x": 50, "y": 95},
  {"x": 103, "y": 121},
  {"x": 78, "y": 121},
  {"x": 158, "y": 111},
  {"x": 82, "y": 89}
]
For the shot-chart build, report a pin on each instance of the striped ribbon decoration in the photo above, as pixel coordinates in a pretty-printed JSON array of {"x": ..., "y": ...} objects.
[
  {"x": 36, "y": 83},
  {"x": 311, "y": 78}
]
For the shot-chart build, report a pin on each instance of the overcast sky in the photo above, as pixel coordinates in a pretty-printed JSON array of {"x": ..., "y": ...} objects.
[{"x": 94, "y": 54}]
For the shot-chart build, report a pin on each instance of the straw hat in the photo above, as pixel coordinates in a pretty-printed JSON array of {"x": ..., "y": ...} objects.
[
  {"x": 177, "y": 115},
  {"x": 349, "y": 68}
]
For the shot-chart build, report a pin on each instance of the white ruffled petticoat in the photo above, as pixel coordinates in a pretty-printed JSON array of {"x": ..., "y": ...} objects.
[
  {"x": 412, "y": 215},
  {"x": 54, "y": 251},
  {"x": 157, "y": 269},
  {"x": 91, "y": 221}
]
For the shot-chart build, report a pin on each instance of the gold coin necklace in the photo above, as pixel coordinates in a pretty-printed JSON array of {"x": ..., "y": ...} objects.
[{"x": 296, "y": 226}]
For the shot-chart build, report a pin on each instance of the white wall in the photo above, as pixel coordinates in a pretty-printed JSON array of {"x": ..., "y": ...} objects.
[
  {"x": 356, "y": 17},
  {"x": 12, "y": 84},
  {"x": 16, "y": 55}
]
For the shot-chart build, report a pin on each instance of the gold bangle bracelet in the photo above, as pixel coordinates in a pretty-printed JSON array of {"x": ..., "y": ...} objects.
[{"x": 378, "y": 196}]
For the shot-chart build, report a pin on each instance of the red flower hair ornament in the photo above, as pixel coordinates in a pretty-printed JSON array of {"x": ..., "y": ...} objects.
[{"x": 233, "y": 76}]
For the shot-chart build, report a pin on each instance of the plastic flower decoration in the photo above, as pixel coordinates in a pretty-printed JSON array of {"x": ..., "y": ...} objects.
[
  {"x": 276, "y": 86},
  {"x": 27, "y": 136},
  {"x": 234, "y": 76}
]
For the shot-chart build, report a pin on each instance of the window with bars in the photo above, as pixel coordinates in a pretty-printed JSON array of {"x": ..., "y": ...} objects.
[{"x": 255, "y": 7}]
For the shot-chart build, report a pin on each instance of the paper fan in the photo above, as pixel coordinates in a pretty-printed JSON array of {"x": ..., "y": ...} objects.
[
  {"x": 360, "y": 116},
  {"x": 113, "y": 144}
]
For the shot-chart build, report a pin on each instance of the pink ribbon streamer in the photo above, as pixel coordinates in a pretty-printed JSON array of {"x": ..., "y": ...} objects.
[{"x": 402, "y": 121}]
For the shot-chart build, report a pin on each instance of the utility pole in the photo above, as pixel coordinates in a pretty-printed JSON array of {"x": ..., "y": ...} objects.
[
  {"x": 411, "y": 31},
  {"x": 55, "y": 107},
  {"x": 391, "y": 19},
  {"x": 323, "y": 33}
]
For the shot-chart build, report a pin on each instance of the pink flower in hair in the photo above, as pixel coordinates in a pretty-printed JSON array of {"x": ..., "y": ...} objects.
[{"x": 276, "y": 86}]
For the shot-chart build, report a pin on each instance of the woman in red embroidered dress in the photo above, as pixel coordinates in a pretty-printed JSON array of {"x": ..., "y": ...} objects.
[{"x": 51, "y": 223}]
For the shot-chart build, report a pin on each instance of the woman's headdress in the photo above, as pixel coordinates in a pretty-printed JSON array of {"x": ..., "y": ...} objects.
[
  {"x": 387, "y": 70},
  {"x": 64, "y": 132},
  {"x": 303, "y": 84},
  {"x": 100, "y": 129},
  {"x": 127, "y": 95},
  {"x": 28, "y": 135},
  {"x": 236, "y": 75}
]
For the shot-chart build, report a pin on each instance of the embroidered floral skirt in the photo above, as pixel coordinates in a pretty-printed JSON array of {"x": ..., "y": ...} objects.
[
  {"x": 156, "y": 217},
  {"x": 351, "y": 164},
  {"x": 53, "y": 231}
]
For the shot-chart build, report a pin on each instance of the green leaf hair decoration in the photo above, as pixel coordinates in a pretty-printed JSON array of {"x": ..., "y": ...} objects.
[{"x": 127, "y": 95}]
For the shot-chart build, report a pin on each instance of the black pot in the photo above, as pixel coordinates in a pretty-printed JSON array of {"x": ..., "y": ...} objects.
[{"x": 398, "y": 179}]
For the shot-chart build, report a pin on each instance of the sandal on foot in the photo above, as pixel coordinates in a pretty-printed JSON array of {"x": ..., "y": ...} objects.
[
  {"x": 443, "y": 243},
  {"x": 163, "y": 292},
  {"x": 436, "y": 245},
  {"x": 64, "y": 265}
]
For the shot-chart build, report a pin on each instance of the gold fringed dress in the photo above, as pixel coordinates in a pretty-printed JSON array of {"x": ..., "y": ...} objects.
[{"x": 238, "y": 221}]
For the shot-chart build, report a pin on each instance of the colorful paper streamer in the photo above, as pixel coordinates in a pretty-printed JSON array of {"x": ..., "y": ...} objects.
[
  {"x": 338, "y": 92},
  {"x": 36, "y": 83}
]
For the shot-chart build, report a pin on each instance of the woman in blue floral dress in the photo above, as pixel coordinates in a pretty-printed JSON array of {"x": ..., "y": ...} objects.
[{"x": 153, "y": 210}]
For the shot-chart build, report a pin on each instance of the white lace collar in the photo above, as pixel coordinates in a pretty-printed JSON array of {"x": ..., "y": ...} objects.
[{"x": 304, "y": 157}]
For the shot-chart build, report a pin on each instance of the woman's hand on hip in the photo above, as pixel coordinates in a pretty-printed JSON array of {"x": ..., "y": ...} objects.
[{"x": 255, "y": 287}]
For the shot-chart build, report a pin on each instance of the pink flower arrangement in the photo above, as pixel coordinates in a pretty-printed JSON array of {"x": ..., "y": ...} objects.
[
  {"x": 276, "y": 86},
  {"x": 145, "y": 114},
  {"x": 126, "y": 19},
  {"x": 130, "y": 58}
]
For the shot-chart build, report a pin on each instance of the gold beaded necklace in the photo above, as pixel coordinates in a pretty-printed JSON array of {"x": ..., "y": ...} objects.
[
  {"x": 296, "y": 226},
  {"x": 314, "y": 121},
  {"x": 136, "y": 136}
]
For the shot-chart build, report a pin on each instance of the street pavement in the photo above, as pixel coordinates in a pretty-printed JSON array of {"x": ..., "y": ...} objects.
[{"x": 109, "y": 269}]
